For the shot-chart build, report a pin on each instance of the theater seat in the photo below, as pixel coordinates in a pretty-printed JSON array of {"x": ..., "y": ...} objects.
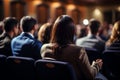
[
  {"x": 111, "y": 64},
  {"x": 20, "y": 68},
  {"x": 2, "y": 67},
  {"x": 93, "y": 54},
  {"x": 54, "y": 70}
]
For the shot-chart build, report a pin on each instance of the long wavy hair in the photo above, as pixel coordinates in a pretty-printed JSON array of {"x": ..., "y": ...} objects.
[
  {"x": 115, "y": 35},
  {"x": 62, "y": 34}
]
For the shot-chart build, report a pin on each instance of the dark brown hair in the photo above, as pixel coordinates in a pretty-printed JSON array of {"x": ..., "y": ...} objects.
[
  {"x": 94, "y": 25},
  {"x": 63, "y": 30},
  {"x": 10, "y": 23},
  {"x": 27, "y": 23}
]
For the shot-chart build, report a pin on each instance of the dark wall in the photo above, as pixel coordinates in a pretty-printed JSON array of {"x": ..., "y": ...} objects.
[{"x": 1, "y": 10}]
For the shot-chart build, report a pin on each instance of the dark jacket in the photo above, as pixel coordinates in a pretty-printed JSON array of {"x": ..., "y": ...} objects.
[
  {"x": 5, "y": 47},
  {"x": 25, "y": 45},
  {"x": 91, "y": 41},
  {"x": 114, "y": 46}
]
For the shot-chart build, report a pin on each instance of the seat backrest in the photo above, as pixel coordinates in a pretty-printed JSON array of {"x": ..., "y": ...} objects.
[
  {"x": 20, "y": 68},
  {"x": 111, "y": 64},
  {"x": 2, "y": 59},
  {"x": 2, "y": 66},
  {"x": 54, "y": 70},
  {"x": 93, "y": 54}
]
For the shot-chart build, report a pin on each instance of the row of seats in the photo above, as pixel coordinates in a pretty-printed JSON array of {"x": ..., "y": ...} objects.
[
  {"x": 93, "y": 54},
  {"x": 27, "y": 68},
  {"x": 24, "y": 68},
  {"x": 111, "y": 62}
]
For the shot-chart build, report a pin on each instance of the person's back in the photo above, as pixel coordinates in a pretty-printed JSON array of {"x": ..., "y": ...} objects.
[
  {"x": 76, "y": 56},
  {"x": 10, "y": 31},
  {"x": 114, "y": 46},
  {"x": 5, "y": 42},
  {"x": 25, "y": 44},
  {"x": 61, "y": 48},
  {"x": 114, "y": 40},
  {"x": 92, "y": 40}
]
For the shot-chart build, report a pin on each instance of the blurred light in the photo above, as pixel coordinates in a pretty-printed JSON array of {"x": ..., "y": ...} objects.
[
  {"x": 71, "y": 6},
  {"x": 56, "y": 4},
  {"x": 85, "y": 22},
  {"x": 37, "y": 2},
  {"x": 97, "y": 12},
  {"x": 119, "y": 8}
]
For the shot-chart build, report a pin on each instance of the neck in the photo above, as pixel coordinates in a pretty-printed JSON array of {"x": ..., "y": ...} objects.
[
  {"x": 11, "y": 34},
  {"x": 32, "y": 32},
  {"x": 92, "y": 33}
]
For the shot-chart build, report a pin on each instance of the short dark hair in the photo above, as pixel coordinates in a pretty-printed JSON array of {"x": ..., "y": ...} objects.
[
  {"x": 94, "y": 25},
  {"x": 27, "y": 23},
  {"x": 10, "y": 23}
]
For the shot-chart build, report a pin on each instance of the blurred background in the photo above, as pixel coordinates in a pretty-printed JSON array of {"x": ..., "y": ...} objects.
[{"x": 48, "y": 10}]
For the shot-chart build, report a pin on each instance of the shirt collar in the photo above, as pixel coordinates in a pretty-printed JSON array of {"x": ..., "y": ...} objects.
[
  {"x": 29, "y": 34},
  {"x": 91, "y": 35}
]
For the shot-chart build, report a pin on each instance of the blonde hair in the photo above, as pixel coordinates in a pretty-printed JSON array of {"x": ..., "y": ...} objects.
[{"x": 115, "y": 35}]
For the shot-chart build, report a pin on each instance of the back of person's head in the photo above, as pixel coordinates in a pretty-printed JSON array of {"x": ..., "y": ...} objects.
[
  {"x": 44, "y": 33},
  {"x": 115, "y": 35},
  {"x": 94, "y": 26},
  {"x": 116, "y": 30},
  {"x": 27, "y": 23},
  {"x": 10, "y": 23},
  {"x": 63, "y": 30}
]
